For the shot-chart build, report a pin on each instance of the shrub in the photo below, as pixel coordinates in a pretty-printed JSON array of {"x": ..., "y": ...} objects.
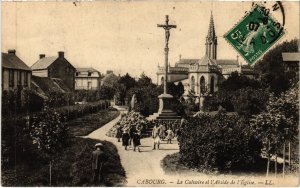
[{"x": 220, "y": 142}]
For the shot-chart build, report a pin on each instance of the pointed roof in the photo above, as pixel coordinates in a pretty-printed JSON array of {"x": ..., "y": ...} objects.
[
  {"x": 43, "y": 63},
  {"x": 205, "y": 60},
  {"x": 12, "y": 61},
  {"x": 211, "y": 29}
]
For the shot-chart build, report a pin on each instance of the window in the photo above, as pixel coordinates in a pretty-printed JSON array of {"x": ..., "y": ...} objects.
[
  {"x": 11, "y": 78},
  {"x": 162, "y": 80},
  {"x": 26, "y": 78},
  {"x": 202, "y": 85},
  {"x": 77, "y": 73},
  {"x": 212, "y": 85},
  {"x": 192, "y": 83},
  {"x": 19, "y": 78},
  {"x": 89, "y": 74}
]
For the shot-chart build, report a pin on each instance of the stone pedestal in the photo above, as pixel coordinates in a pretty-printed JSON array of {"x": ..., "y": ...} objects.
[{"x": 165, "y": 111}]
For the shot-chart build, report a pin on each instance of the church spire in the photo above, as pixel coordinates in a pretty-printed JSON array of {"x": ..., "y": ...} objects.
[
  {"x": 211, "y": 29},
  {"x": 211, "y": 39}
]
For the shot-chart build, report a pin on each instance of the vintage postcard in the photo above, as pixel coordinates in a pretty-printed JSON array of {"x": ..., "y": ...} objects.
[{"x": 150, "y": 93}]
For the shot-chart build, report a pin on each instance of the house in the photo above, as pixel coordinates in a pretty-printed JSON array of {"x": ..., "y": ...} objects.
[
  {"x": 15, "y": 73},
  {"x": 205, "y": 74},
  {"x": 87, "y": 79},
  {"x": 291, "y": 61},
  {"x": 55, "y": 67}
]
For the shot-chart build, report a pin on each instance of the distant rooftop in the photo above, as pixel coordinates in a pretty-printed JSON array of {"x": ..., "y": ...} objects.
[
  {"x": 291, "y": 56},
  {"x": 86, "y": 70}
]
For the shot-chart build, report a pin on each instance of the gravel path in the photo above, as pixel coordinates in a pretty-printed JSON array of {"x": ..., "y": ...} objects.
[{"x": 139, "y": 166}]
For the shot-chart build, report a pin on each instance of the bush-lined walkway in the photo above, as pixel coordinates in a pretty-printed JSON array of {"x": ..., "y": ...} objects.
[{"x": 146, "y": 166}]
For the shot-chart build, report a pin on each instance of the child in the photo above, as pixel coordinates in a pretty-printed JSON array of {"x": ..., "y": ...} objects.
[{"x": 170, "y": 135}]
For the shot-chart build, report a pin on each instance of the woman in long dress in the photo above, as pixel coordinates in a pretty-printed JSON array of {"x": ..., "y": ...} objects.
[
  {"x": 137, "y": 139},
  {"x": 125, "y": 138}
]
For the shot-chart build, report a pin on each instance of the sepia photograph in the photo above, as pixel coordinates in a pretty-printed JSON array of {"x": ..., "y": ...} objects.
[{"x": 176, "y": 93}]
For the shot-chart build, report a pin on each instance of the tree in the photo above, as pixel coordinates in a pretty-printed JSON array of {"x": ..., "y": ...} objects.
[
  {"x": 272, "y": 70},
  {"x": 248, "y": 101},
  {"x": 50, "y": 134},
  {"x": 236, "y": 81},
  {"x": 127, "y": 81},
  {"x": 144, "y": 80},
  {"x": 281, "y": 115},
  {"x": 106, "y": 92}
]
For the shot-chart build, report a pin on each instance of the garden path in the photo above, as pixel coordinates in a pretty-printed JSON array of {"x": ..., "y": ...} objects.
[{"x": 144, "y": 166}]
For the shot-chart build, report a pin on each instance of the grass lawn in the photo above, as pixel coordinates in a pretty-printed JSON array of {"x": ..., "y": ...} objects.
[
  {"x": 71, "y": 167},
  {"x": 87, "y": 124}
]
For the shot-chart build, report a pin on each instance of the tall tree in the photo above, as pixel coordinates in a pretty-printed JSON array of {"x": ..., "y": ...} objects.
[
  {"x": 50, "y": 134},
  {"x": 271, "y": 67}
]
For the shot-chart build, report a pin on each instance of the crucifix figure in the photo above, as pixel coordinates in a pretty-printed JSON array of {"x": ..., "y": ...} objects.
[{"x": 167, "y": 28}]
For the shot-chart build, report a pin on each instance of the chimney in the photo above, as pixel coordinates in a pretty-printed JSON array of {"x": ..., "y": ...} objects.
[
  {"x": 61, "y": 54},
  {"x": 12, "y": 51},
  {"x": 42, "y": 56}
]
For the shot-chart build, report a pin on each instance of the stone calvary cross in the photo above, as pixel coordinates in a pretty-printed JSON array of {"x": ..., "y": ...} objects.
[
  {"x": 167, "y": 28},
  {"x": 165, "y": 100}
]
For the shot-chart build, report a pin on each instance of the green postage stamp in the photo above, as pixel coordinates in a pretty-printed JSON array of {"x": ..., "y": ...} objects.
[{"x": 255, "y": 34}]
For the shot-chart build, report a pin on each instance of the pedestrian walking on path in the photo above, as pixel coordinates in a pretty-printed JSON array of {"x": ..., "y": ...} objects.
[
  {"x": 125, "y": 138},
  {"x": 119, "y": 133},
  {"x": 155, "y": 136},
  {"x": 170, "y": 135},
  {"x": 132, "y": 131},
  {"x": 137, "y": 139},
  {"x": 162, "y": 132},
  {"x": 98, "y": 158}
]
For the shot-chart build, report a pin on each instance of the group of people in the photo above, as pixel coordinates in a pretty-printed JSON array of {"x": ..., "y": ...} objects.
[
  {"x": 132, "y": 136},
  {"x": 164, "y": 131},
  {"x": 131, "y": 125}
]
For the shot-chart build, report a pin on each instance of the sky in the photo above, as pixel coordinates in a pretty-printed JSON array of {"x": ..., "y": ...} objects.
[{"x": 123, "y": 36}]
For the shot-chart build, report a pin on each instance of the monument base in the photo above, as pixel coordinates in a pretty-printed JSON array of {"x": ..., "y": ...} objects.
[{"x": 165, "y": 111}]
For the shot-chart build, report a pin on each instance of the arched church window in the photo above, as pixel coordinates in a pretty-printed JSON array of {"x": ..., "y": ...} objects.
[
  {"x": 192, "y": 83},
  {"x": 212, "y": 85},
  {"x": 202, "y": 84},
  {"x": 162, "y": 81}
]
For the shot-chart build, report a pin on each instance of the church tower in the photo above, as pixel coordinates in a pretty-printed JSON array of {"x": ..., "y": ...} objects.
[{"x": 211, "y": 40}]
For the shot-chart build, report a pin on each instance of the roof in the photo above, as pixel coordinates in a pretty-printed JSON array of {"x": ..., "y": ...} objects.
[
  {"x": 12, "y": 61},
  {"x": 43, "y": 63},
  {"x": 227, "y": 62},
  {"x": 187, "y": 61},
  {"x": 86, "y": 70},
  {"x": 291, "y": 56},
  {"x": 48, "y": 85},
  {"x": 207, "y": 61}
]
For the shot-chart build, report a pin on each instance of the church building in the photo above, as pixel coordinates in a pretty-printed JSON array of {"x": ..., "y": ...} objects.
[{"x": 203, "y": 75}]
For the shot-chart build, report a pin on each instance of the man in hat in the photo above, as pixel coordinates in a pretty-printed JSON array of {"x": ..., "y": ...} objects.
[{"x": 98, "y": 158}]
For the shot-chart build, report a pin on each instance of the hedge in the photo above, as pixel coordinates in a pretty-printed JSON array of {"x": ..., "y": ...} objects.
[{"x": 218, "y": 143}]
